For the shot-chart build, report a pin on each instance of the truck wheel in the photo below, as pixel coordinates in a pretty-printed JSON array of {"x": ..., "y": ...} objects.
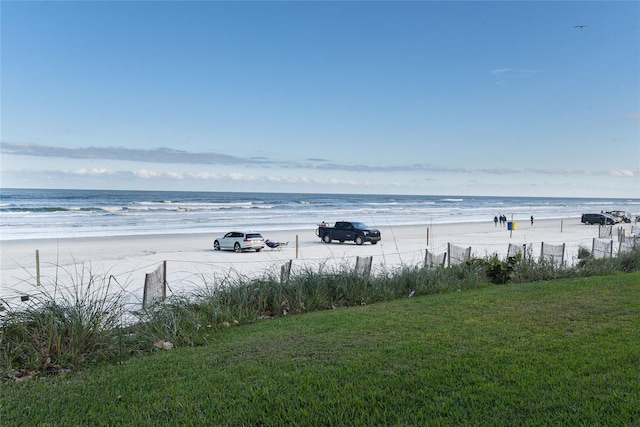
[
  {"x": 374, "y": 243},
  {"x": 326, "y": 238},
  {"x": 358, "y": 240}
]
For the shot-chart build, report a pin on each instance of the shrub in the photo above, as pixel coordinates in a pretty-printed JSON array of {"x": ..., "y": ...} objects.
[
  {"x": 629, "y": 261},
  {"x": 497, "y": 271},
  {"x": 583, "y": 253}
]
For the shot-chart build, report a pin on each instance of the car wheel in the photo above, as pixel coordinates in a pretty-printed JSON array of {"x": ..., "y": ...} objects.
[
  {"x": 216, "y": 246},
  {"x": 374, "y": 243},
  {"x": 326, "y": 238},
  {"x": 258, "y": 249},
  {"x": 359, "y": 240},
  {"x": 237, "y": 248}
]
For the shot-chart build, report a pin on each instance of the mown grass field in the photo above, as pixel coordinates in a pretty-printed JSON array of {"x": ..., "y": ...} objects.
[{"x": 547, "y": 353}]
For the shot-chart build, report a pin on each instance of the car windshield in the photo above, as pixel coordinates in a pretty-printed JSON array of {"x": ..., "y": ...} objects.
[{"x": 359, "y": 225}]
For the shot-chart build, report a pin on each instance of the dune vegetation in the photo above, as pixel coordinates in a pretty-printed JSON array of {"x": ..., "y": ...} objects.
[{"x": 462, "y": 345}]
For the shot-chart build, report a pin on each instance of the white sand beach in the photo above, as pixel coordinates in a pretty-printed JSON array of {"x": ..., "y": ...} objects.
[{"x": 192, "y": 262}]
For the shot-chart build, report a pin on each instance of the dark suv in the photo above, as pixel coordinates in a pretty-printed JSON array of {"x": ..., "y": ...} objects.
[{"x": 601, "y": 218}]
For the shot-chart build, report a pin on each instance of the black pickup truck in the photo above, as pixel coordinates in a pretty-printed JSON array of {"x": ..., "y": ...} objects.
[{"x": 348, "y": 231}]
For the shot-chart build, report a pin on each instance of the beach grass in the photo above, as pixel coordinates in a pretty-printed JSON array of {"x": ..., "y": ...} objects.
[
  {"x": 556, "y": 352},
  {"x": 69, "y": 328},
  {"x": 85, "y": 324}
]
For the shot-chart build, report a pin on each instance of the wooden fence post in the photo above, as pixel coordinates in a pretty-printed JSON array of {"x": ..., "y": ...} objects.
[
  {"x": 164, "y": 279},
  {"x": 37, "y": 267}
]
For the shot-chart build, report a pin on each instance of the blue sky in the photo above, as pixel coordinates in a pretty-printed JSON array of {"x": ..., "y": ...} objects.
[{"x": 459, "y": 98}]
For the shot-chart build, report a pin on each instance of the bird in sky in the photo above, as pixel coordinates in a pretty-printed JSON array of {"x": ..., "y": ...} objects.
[{"x": 580, "y": 26}]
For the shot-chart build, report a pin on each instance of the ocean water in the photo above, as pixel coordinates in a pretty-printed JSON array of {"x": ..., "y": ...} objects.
[{"x": 40, "y": 213}]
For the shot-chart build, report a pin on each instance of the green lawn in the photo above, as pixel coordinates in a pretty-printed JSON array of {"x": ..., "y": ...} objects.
[{"x": 548, "y": 353}]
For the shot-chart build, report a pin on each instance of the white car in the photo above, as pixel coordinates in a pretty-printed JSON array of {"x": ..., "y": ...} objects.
[{"x": 239, "y": 241}]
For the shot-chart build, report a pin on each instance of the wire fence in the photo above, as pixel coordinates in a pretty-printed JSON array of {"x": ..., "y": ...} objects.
[{"x": 174, "y": 276}]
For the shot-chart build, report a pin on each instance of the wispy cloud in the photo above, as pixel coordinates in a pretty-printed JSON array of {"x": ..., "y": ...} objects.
[
  {"x": 514, "y": 72},
  {"x": 198, "y": 176},
  {"x": 500, "y": 171},
  {"x": 177, "y": 157},
  {"x": 157, "y": 155},
  {"x": 147, "y": 174},
  {"x": 171, "y": 156},
  {"x": 328, "y": 181},
  {"x": 506, "y": 74},
  {"x": 91, "y": 171},
  {"x": 624, "y": 173},
  {"x": 559, "y": 171}
]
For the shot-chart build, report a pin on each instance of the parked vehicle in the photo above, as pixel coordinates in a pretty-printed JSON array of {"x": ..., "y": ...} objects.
[
  {"x": 343, "y": 231},
  {"x": 239, "y": 241},
  {"x": 620, "y": 216},
  {"x": 601, "y": 218}
]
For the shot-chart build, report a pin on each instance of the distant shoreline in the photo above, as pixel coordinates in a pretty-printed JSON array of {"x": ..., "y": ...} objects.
[{"x": 179, "y": 234}]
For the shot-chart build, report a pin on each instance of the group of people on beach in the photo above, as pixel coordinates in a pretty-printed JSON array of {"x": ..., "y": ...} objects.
[{"x": 502, "y": 219}]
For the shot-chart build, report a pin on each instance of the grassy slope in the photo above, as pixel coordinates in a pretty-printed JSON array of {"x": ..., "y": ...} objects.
[{"x": 565, "y": 352}]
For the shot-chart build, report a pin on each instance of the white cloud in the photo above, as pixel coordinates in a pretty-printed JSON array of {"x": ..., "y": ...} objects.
[
  {"x": 559, "y": 171},
  {"x": 86, "y": 171},
  {"x": 625, "y": 173},
  {"x": 203, "y": 175},
  {"x": 145, "y": 173},
  {"x": 233, "y": 176},
  {"x": 174, "y": 175},
  {"x": 238, "y": 177},
  {"x": 307, "y": 180},
  {"x": 288, "y": 179}
]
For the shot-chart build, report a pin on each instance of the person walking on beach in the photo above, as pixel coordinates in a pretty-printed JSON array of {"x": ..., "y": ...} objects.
[
  {"x": 495, "y": 220},
  {"x": 531, "y": 219}
]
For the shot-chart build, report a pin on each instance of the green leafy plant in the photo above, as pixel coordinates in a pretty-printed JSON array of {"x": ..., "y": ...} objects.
[{"x": 497, "y": 271}]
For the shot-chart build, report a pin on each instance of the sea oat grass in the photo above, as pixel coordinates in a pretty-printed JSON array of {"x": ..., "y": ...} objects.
[{"x": 71, "y": 327}]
